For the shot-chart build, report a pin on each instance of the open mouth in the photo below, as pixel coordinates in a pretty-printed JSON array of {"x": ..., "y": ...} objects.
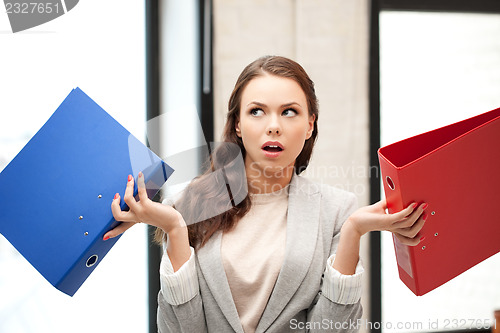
[{"x": 273, "y": 149}]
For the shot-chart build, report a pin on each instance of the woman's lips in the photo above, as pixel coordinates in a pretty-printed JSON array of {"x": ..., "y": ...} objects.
[{"x": 272, "y": 149}]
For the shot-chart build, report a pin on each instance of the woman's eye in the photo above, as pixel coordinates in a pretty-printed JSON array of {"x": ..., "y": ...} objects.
[
  {"x": 289, "y": 113},
  {"x": 256, "y": 112}
]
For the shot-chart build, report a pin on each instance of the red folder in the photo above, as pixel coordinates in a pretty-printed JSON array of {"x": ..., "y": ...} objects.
[{"x": 456, "y": 170}]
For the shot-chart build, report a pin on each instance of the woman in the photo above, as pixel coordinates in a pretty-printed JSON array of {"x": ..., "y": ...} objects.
[{"x": 285, "y": 257}]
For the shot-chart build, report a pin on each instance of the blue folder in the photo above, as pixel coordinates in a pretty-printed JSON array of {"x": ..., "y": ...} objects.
[{"x": 56, "y": 194}]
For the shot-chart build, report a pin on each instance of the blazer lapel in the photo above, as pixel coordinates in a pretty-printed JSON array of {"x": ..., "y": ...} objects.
[
  {"x": 301, "y": 237},
  {"x": 209, "y": 259}
]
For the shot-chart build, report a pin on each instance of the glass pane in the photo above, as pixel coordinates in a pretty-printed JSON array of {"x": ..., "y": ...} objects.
[
  {"x": 99, "y": 47},
  {"x": 437, "y": 68}
]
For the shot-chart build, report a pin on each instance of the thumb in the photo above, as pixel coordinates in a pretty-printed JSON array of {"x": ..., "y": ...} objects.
[
  {"x": 382, "y": 204},
  {"x": 120, "y": 229}
]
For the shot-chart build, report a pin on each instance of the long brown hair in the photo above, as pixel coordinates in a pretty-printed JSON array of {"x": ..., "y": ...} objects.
[{"x": 205, "y": 192}]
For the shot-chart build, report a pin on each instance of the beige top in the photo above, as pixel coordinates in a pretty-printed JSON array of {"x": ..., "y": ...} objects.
[{"x": 252, "y": 255}]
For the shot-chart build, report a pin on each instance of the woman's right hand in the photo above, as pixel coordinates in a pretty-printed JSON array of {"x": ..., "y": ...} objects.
[
  {"x": 405, "y": 224},
  {"x": 143, "y": 211}
]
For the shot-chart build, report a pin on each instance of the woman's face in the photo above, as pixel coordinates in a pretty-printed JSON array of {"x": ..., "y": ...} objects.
[{"x": 274, "y": 123}]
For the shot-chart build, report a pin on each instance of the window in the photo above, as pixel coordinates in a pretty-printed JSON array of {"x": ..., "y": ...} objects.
[
  {"x": 99, "y": 47},
  {"x": 435, "y": 69}
]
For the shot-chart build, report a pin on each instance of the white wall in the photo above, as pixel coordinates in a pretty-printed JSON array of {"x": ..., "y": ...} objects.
[
  {"x": 437, "y": 69},
  {"x": 98, "y": 46}
]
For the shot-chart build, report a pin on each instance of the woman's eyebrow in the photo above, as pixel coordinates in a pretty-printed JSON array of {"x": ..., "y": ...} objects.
[
  {"x": 257, "y": 103},
  {"x": 290, "y": 104},
  {"x": 283, "y": 105}
]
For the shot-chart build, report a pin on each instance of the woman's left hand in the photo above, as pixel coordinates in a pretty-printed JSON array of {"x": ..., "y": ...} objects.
[{"x": 405, "y": 224}]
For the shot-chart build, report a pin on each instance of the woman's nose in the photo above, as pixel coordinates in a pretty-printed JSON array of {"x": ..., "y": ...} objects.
[{"x": 274, "y": 126}]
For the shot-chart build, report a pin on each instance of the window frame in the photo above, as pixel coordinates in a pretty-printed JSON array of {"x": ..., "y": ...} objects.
[
  {"x": 453, "y": 6},
  {"x": 153, "y": 109}
]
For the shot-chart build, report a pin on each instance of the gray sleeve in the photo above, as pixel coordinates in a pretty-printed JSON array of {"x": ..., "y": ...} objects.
[
  {"x": 180, "y": 307},
  {"x": 334, "y": 316},
  {"x": 184, "y": 318}
]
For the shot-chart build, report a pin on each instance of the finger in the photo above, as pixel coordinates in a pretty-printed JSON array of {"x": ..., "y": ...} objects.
[
  {"x": 383, "y": 204},
  {"x": 118, "y": 213},
  {"x": 409, "y": 220},
  {"x": 418, "y": 212},
  {"x": 413, "y": 231},
  {"x": 380, "y": 206},
  {"x": 128, "y": 197},
  {"x": 402, "y": 215},
  {"x": 408, "y": 210},
  {"x": 406, "y": 240},
  {"x": 141, "y": 187},
  {"x": 120, "y": 229}
]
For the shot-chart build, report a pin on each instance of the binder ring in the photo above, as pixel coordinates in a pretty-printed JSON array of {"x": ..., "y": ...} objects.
[
  {"x": 390, "y": 183},
  {"x": 92, "y": 260}
]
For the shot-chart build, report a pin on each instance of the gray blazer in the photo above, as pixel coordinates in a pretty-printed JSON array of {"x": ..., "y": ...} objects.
[{"x": 315, "y": 215}]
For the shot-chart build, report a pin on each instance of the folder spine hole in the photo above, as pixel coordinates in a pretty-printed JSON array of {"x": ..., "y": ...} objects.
[
  {"x": 435, "y": 235},
  {"x": 92, "y": 260},
  {"x": 86, "y": 233},
  {"x": 80, "y": 217},
  {"x": 99, "y": 196},
  {"x": 390, "y": 183},
  {"x": 433, "y": 213},
  {"x": 423, "y": 247}
]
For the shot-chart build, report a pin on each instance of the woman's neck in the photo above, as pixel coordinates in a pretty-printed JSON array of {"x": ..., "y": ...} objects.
[{"x": 267, "y": 181}]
